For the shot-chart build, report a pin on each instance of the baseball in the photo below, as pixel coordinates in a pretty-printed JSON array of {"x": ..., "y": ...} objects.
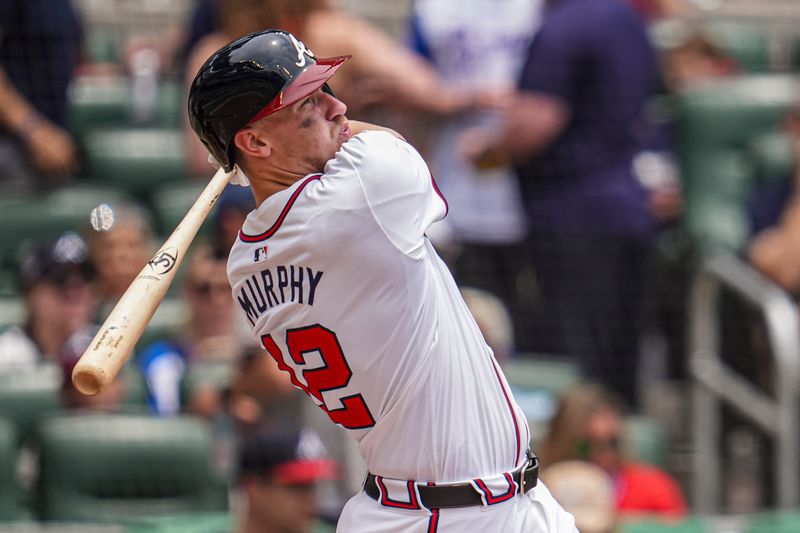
[{"x": 102, "y": 217}]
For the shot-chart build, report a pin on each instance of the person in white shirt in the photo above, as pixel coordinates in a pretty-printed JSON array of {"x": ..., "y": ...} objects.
[{"x": 342, "y": 288}]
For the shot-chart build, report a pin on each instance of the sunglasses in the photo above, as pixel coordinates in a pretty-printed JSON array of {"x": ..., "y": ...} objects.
[
  {"x": 206, "y": 288},
  {"x": 586, "y": 447}
]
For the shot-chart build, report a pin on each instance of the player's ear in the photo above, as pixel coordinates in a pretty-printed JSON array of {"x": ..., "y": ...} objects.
[{"x": 252, "y": 142}]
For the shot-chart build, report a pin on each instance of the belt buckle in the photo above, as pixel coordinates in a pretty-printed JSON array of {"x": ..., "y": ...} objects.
[{"x": 522, "y": 476}]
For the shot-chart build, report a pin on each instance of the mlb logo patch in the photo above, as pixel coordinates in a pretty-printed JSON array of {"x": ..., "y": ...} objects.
[{"x": 260, "y": 254}]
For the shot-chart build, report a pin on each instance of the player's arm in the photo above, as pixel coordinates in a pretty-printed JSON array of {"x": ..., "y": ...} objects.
[
  {"x": 357, "y": 127},
  {"x": 383, "y": 70},
  {"x": 396, "y": 183},
  {"x": 535, "y": 121},
  {"x": 542, "y": 110},
  {"x": 51, "y": 148}
]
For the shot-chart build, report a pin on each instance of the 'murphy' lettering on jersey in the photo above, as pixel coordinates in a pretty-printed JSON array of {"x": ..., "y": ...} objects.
[{"x": 278, "y": 285}]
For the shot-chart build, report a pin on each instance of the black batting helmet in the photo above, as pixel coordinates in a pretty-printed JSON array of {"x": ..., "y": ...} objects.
[{"x": 249, "y": 79}]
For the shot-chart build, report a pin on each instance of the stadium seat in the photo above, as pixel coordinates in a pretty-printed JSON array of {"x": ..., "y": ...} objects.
[
  {"x": 136, "y": 159},
  {"x": 716, "y": 125},
  {"x": 772, "y": 156},
  {"x": 10, "y": 508},
  {"x": 107, "y": 101},
  {"x": 12, "y": 308},
  {"x": 183, "y": 523},
  {"x": 778, "y": 522},
  {"x": 213, "y": 374},
  {"x": 34, "y": 218},
  {"x": 690, "y": 525},
  {"x": 105, "y": 468},
  {"x": 168, "y": 320},
  {"x": 747, "y": 43},
  {"x": 172, "y": 201},
  {"x": 530, "y": 371},
  {"x": 59, "y": 527},
  {"x": 646, "y": 440},
  {"x": 28, "y": 395}
]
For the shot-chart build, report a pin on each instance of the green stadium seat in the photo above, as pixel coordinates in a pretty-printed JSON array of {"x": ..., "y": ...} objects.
[
  {"x": 8, "y": 289},
  {"x": 210, "y": 374},
  {"x": 167, "y": 322},
  {"x": 777, "y": 522},
  {"x": 103, "y": 102},
  {"x": 107, "y": 468},
  {"x": 12, "y": 310},
  {"x": 136, "y": 159},
  {"x": 184, "y": 523},
  {"x": 646, "y": 440},
  {"x": 26, "y": 396},
  {"x": 772, "y": 156},
  {"x": 690, "y": 525},
  {"x": 747, "y": 43},
  {"x": 10, "y": 505},
  {"x": 716, "y": 126},
  {"x": 172, "y": 201},
  {"x": 532, "y": 372},
  {"x": 36, "y": 218},
  {"x": 59, "y": 527},
  {"x": 196, "y": 523}
]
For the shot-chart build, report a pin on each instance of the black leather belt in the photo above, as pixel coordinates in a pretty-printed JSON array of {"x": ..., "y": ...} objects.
[{"x": 460, "y": 494}]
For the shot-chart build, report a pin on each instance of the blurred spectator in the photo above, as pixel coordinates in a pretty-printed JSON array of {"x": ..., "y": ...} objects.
[
  {"x": 775, "y": 214},
  {"x": 587, "y": 74},
  {"x": 588, "y": 425},
  {"x": 119, "y": 247},
  {"x": 40, "y": 49},
  {"x": 110, "y": 400},
  {"x": 689, "y": 58},
  {"x": 493, "y": 320},
  {"x": 653, "y": 10},
  {"x": 479, "y": 46},
  {"x": 278, "y": 471},
  {"x": 210, "y": 333},
  {"x": 585, "y": 491},
  {"x": 232, "y": 208},
  {"x": 55, "y": 279},
  {"x": 381, "y": 71},
  {"x": 258, "y": 395}
]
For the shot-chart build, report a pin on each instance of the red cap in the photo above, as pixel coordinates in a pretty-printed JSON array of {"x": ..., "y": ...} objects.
[{"x": 304, "y": 471}]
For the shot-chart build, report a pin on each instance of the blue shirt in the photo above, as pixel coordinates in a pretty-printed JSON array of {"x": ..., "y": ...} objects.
[
  {"x": 163, "y": 365},
  {"x": 39, "y": 49},
  {"x": 595, "y": 56}
]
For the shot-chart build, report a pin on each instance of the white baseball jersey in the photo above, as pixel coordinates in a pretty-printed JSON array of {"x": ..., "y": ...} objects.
[{"x": 345, "y": 292}]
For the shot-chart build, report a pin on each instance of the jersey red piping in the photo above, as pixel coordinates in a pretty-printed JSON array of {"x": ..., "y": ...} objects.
[
  {"x": 511, "y": 408},
  {"x": 433, "y": 523},
  {"x": 271, "y": 231},
  {"x": 436, "y": 188}
]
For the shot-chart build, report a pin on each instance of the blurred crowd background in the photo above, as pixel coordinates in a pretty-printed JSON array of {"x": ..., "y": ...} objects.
[{"x": 624, "y": 225}]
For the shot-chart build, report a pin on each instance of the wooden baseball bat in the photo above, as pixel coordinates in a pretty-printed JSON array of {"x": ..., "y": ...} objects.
[{"x": 113, "y": 344}]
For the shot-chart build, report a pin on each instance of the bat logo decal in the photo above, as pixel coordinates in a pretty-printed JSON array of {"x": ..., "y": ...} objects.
[{"x": 163, "y": 261}]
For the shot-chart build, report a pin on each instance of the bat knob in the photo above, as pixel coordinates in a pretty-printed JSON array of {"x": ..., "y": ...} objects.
[{"x": 86, "y": 382}]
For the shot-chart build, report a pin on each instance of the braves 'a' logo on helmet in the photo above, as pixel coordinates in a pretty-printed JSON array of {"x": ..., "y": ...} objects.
[{"x": 302, "y": 51}]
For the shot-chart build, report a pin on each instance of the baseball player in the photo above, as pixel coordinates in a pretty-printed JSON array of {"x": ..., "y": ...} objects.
[{"x": 339, "y": 283}]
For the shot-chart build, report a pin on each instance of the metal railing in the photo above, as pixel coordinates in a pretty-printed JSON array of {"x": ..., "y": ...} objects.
[{"x": 714, "y": 383}]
